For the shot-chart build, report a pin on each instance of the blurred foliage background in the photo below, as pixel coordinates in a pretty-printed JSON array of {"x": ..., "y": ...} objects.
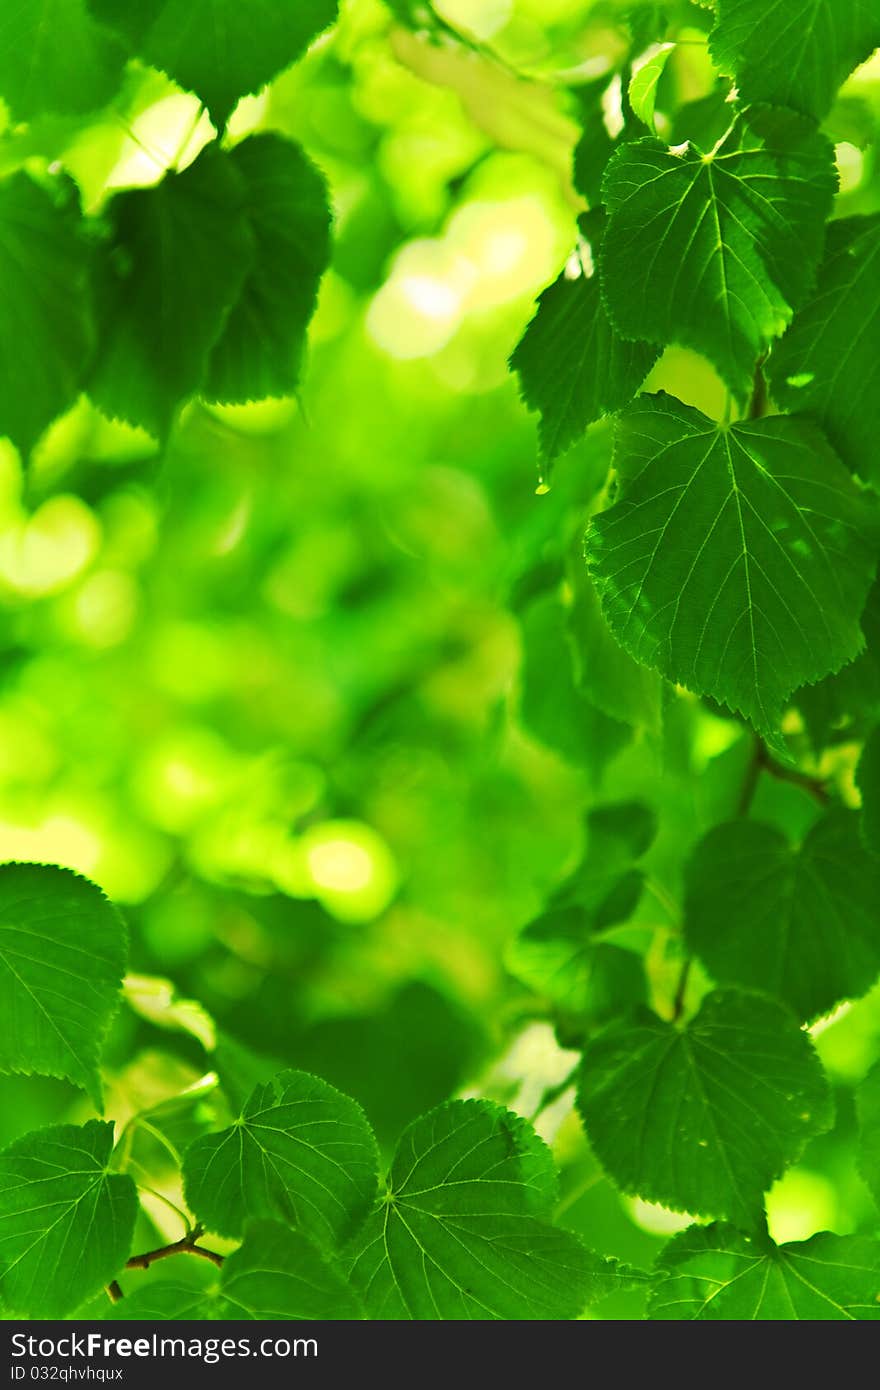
[{"x": 298, "y": 692}]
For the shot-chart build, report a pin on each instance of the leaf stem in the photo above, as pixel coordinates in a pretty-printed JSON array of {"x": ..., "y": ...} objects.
[
  {"x": 553, "y": 1092},
  {"x": 761, "y": 761},
  {"x": 681, "y": 990}
]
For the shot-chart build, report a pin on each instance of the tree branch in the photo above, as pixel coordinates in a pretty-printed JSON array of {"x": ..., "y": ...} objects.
[
  {"x": 761, "y": 761},
  {"x": 185, "y": 1246}
]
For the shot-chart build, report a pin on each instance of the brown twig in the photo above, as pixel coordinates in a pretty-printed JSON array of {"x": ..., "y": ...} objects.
[
  {"x": 185, "y": 1246},
  {"x": 761, "y": 761}
]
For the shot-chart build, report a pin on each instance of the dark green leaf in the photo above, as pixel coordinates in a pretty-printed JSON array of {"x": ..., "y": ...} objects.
[
  {"x": 66, "y": 1222},
  {"x": 177, "y": 261},
  {"x": 793, "y": 53},
  {"x": 45, "y": 325},
  {"x": 220, "y": 49},
  {"x": 551, "y": 705},
  {"x": 736, "y": 560},
  {"x": 715, "y": 250},
  {"x": 463, "y": 1230},
  {"x": 801, "y": 922},
  {"x": 572, "y": 366},
  {"x": 63, "y": 951},
  {"x": 828, "y": 364},
  {"x": 718, "y": 1273},
  {"x": 54, "y": 57},
  {"x": 300, "y": 1151},
  {"x": 703, "y": 1118},
  {"x": 260, "y": 350}
]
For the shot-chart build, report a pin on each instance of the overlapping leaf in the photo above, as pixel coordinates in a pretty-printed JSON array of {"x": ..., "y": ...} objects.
[
  {"x": 573, "y": 367},
  {"x": 45, "y": 323},
  {"x": 718, "y": 1273},
  {"x": 54, "y": 57},
  {"x": 714, "y": 250},
  {"x": 704, "y": 1118},
  {"x": 301, "y": 1152},
  {"x": 62, "y": 957},
  {"x": 735, "y": 560},
  {"x": 794, "y": 52},
  {"x": 176, "y": 263},
  {"x": 276, "y": 1273},
  {"x": 66, "y": 1222},
  {"x": 219, "y": 49},
  {"x": 464, "y": 1232},
  {"x": 801, "y": 922},
  {"x": 828, "y": 363},
  {"x": 552, "y": 706},
  {"x": 260, "y": 350}
]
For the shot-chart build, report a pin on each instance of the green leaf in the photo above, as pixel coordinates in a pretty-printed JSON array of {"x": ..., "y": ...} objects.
[
  {"x": 463, "y": 1231},
  {"x": 300, "y": 1151},
  {"x": 220, "y": 49},
  {"x": 795, "y": 52},
  {"x": 54, "y": 57},
  {"x": 66, "y": 1222},
  {"x": 715, "y": 250},
  {"x": 801, "y": 922},
  {"x": 572, "y": 366},
  {"x": 276, "y": 1273},
  {"x": 736, "y": 560},
  {"x": 260, "y": 350},
  {"x": 45, "y": 326},
  {"x": 828, "y": 364},
  {"x": 868, "y": 782},
  {"x": 177, "y": 260},
  {"x": 557, "y": 954},
  {"x": 643, "y": 83},
  {"x": 849, "y": 700},
  {"x": 559, "y": 958},
  {"x": 606, "y": 674},
  {"x": 63, "y": 950},
  {"x": 868, "y": 1110},
  {"x": 718, "y": 1273},
  {"x": 704, "y": 1118},
  {"x": 552, "y": 707}
]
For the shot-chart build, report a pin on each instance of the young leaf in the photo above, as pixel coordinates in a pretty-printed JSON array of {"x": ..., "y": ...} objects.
[
  {"x": 63, "y": 951},
  {"x": 220, "y": 49},
  {"x": 643, "y": 83},
  {"x": 718, "y": 1273},
  {"x": 463, "y": 1230},
  {"x": 45, "y": 325},
  {"x": 704, "y": 1118},
  {"x": 301, "y": 1151},
  {"x": 828, "y": 364},
  {"x": 179, "y": 255},
  {"x": 736, "y": 560},
  {"x": 868, "y": 782},
  {"x": 66, "y": 1222},
  {"x": 715, "y": 250},
  {"x": 259, "y": 352},
  {"x": 572, "y": 366},
  {"x": 791, "y": 53},
  {"x": 276, "y": 1273},
  {"x": 802, "y": 923},
  {"x": 54, "y": 57}
]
